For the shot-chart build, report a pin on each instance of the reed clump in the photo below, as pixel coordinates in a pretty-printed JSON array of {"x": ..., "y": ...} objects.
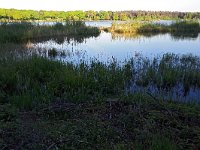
[
  {"x": 182, "y": 27},
  {"x": 39, "y": 80},
  {"x": 25, "y": 31},
  {"x": 46, "y": 104}
]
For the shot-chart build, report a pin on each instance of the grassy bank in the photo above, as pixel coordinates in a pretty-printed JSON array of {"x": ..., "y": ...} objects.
[
  {"x": 30, "y": 82},
  {"x": 131, "y": 123},
  {"x": 145, "y": 28},
  {"x": 37, "y": 80},
  {"x": 23, "y": 32},
  {"x": 47, "y": 104}
]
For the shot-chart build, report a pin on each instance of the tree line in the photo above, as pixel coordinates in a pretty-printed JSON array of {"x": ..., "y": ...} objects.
[{"x": 14, "y": 14}]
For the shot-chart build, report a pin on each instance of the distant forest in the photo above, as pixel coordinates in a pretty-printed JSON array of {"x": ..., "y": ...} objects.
[{"x": 13, "y": 14}]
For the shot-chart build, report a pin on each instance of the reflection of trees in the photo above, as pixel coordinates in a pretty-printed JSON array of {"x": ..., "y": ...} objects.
[
  {"x": 178, "y": 35},
  {"x": 174, "y": 35},
  {"x": 129, "y": 36},
  {"x": 57, "y": 39},
  {"x": 125, "y": 36},
  {"x": 61, "y": 38}
]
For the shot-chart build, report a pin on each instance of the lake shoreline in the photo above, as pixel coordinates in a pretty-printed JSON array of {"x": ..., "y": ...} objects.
[
  {"x": 49, "y": 101},
  {"x": 49, "y": 104}
]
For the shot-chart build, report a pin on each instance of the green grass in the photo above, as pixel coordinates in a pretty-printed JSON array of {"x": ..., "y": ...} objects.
[
  {"x": 39, "y": 80},
  {"x": 36, "y": 80},
  {"x": 24, "y": 32},
  {"x": 137, "y": 27},
  {"x": 127, "y": 123},
  {"x": 47, "y": 104},
  {"x": 177, "y": 29}
]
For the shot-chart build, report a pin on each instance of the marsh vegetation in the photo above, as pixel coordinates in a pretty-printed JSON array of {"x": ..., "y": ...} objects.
[
  {"x": 85, "y": 106},
  {"x": 35, "y": 80},
  {"x": 46, "y": 103},
  {"x": 24, "y": 32},
  {"x": 177, "y": 28}
]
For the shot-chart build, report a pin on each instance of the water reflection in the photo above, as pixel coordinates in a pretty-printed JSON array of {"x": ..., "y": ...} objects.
[
  {"x": 174, "y": 35},
  {"x": 124, "y": 46},
  {"x": 178, "y": 92},
  {"x": 106, "y": 47},
  {"x": 125, "y": 36},
  {"x": 182, "y": 36}
]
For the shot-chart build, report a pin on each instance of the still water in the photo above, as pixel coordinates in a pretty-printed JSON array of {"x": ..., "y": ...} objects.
[{"x": 121, "y": 47}]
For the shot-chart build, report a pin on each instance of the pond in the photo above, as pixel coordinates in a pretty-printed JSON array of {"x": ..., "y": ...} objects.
[{"x": 121, "y": 47}]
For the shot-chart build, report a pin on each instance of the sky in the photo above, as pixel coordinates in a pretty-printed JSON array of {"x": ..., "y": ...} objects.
[{"x": 114, "y": 5}]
